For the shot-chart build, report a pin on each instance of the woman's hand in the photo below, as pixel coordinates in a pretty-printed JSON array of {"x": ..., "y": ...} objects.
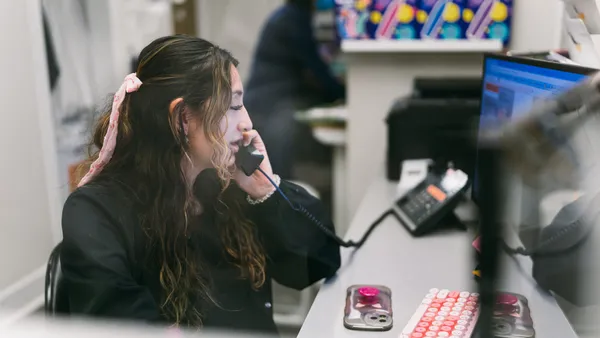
[{"x": 255, "y": 185}]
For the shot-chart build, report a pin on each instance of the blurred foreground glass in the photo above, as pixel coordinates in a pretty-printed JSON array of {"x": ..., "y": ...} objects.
[
  {"x": 541, "y": 149},
  {"x": 40, "y": 327}
]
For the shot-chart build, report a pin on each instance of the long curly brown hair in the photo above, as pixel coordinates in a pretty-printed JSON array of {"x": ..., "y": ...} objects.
[{"x": 147, "y": 160}]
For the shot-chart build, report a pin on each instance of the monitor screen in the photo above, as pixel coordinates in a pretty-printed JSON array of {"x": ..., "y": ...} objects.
[{"x": 512, "y": 85}]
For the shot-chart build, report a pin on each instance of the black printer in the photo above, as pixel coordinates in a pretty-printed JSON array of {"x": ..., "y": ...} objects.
[{"x": 439, "y": 120}]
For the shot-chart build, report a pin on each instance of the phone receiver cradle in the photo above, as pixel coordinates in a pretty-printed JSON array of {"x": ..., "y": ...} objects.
[{"x": 248, "y": 159}]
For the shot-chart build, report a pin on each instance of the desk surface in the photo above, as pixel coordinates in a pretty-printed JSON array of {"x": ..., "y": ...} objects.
[{"x": 410, "y": 267}]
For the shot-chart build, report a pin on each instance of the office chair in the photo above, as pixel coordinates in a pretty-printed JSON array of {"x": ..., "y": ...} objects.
[{"x": 56, "y": 301}]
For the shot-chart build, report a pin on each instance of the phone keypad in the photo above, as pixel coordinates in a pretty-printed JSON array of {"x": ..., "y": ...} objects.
[
  {"x": 444, "y": 313},
  {"x": 420, "y": 207}
]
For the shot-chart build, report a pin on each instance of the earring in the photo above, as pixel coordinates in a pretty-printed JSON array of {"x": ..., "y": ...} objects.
[{"x": 187, "y": 141}]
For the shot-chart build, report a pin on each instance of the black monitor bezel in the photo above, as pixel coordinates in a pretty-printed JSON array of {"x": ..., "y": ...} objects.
[{"x": 565, "y": 67}]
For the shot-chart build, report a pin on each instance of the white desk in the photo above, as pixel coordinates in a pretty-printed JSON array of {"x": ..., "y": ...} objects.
[{"x": 410, "y": 267}]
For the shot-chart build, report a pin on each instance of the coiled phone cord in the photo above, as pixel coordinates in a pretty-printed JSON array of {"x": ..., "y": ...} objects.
[{"x": 346, "y": 244}]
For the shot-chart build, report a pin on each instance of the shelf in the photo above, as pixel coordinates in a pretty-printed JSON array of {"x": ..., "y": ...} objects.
[
  {"x": 421, "y": 46},
  {"x": 330, "y": 136}
]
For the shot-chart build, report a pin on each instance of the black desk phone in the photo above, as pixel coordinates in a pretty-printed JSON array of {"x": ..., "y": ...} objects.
[{"x": 422, "y": 208}]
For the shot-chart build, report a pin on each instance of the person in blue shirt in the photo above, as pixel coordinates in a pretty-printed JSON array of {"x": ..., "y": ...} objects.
[{"x": 288, "y": 70}]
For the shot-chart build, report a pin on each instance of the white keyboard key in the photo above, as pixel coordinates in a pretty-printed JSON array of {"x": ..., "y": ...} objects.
[
  {"x": 434, "y": 290},
  {"x": 464, "y": 294},
  {"x": 443, "y": 313},
  {"x": 443, "y": 334},
  {"x": 445, "y": 308},
  {"x": 455, "y": 313},
  {"x": 416, "y": 318},
  {"x": 460, "y": 327},
  {"x": 434, "y": 328},
  {"x": 443, "y": 294},
  {"x": 441, "y": 318},
  {"x": 421, "y": 310},
  {"x": 426, "y": 301}
]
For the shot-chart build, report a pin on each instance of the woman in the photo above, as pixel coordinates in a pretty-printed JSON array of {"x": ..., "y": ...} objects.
[
  {"x": 287, "y": 67},
  {"x": 164, "y": 227}
]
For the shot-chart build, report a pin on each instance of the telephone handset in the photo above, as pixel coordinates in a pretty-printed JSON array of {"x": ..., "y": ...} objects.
[
  {"x": 422, "y": 208},
  {"x": 248, "y": 159}
]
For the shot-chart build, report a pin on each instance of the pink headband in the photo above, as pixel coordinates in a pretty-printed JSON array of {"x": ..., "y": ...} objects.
[{"x": 130, "y": 85}]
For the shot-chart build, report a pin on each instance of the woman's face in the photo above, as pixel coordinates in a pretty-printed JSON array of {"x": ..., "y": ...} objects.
[{"x": 235, "y": 121}]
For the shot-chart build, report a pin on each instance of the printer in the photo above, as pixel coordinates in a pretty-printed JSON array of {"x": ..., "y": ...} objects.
[{"x": 438, "y": 121}]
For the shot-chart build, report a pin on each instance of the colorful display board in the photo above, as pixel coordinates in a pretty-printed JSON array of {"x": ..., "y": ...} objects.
[{"x": 424, "y": 19}]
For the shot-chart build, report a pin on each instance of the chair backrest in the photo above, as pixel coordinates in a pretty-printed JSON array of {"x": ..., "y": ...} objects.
[{"x": 55, "y": 299}]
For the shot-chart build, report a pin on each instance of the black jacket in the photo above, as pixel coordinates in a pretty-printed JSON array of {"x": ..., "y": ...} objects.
[{"x": 103, "y": 249}]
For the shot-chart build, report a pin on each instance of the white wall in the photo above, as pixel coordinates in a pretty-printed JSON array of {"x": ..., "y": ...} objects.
[
  {"x": 109, "y": 61},
  {"x": 119, "y": 30},
  {"x": 387, "y": 80},
  {"x": 234, "y": 25},
  {"x": 29, "y": 192},
  {"x": 545, "y": 32}
]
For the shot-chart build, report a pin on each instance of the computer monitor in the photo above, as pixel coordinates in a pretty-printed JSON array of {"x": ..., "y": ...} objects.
[{"x": 511, "y": 85}]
